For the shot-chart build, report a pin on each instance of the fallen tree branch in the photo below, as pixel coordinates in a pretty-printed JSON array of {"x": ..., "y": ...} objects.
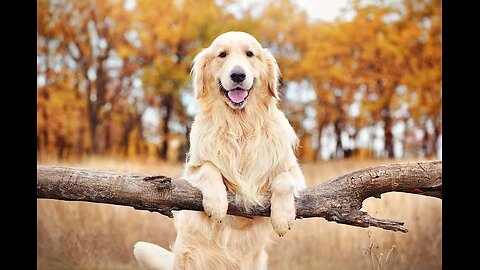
[{"x": 338, "y": 200}]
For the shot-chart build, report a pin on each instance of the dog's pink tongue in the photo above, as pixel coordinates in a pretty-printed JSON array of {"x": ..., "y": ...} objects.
[{"x": 237, "y": 96}]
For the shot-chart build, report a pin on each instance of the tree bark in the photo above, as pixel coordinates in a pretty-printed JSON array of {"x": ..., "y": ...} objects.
[{"x": 338, "y": 200}]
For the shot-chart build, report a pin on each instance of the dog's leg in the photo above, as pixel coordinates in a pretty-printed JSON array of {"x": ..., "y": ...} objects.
[
  {"x": 209, "y": 180},
  {"x": 282, "y": 203}
]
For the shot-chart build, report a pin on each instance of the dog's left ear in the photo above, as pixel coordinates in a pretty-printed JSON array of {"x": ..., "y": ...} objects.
[{"x": 273, "y": 74}]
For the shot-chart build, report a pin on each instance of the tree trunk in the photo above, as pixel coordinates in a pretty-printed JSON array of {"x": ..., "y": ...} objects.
[
  {"x": 426, "y": 142},
  {"x": 44, "y": 138},
  {"x": 168, "y": 105},
  {"x": 60, "y": 144},
  {"x": 45, "y": 146},
  {"x": 318, "y": 150},
  {"x": 437, "y": 132},
  {"x": 79, "y": 144},
  {"x": 386, "y": 113},
  {"x": 93, "y": 132},
  {"x": 108, "y": 137},
  {"x": 92, "y": 120},
  {"x": 339, "y": 151},
  {"x": 387, "y": 120},
  {"x": 338, "y": 200},
  {"x": 125, "y": 139},
  {"x": 95, "y": 105},
  {"x": 140, "y": 146}
]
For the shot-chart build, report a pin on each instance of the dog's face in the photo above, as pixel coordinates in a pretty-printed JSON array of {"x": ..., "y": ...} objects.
[{"x": 235, "y": 68}]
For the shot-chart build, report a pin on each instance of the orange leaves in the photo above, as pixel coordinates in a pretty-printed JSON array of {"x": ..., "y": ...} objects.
[{"x": 380, "y": 48}]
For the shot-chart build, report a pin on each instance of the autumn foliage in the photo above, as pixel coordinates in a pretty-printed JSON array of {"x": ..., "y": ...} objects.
[{"x": 371, "y": 82}]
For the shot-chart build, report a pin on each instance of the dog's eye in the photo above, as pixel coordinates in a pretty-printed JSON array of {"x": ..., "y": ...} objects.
[
  {"x": 250, "y": 53},
  {"x": 222, "y": 55}
]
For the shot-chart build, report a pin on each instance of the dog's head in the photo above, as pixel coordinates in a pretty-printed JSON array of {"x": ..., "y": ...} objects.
[{"x": 235, "y": 68}]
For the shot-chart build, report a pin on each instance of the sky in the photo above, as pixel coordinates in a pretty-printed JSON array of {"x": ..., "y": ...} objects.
[{"x": 326, "y": 10}]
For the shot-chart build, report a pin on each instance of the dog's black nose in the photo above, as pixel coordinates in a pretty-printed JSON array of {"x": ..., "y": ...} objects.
[{"x": 238, "y": 74}]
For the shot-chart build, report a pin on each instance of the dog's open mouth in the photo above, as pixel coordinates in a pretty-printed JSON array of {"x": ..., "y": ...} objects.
[{"x": 236, "y": 96}]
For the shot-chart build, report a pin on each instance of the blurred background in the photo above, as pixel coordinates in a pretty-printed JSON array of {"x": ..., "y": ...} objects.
[{"x": 361, "y": 84}]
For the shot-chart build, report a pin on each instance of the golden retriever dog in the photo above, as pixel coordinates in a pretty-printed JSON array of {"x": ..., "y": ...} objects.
[{"x": 240, "y": 142}]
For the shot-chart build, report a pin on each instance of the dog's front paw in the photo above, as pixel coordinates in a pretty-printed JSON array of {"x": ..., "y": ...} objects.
[
  {"x": 215, "y": 205},
  {"x": 282, "y": 215}
]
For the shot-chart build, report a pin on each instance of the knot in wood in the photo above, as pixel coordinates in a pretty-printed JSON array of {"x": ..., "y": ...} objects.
[{"x": 162, "y": 182}]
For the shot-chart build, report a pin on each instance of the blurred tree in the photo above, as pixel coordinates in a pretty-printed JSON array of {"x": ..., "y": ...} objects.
[
  {"x": 372, "y": 52},
  {"x": 47, "y": 47},
  {"x": 94, "y": 36},
  {"x": 327, "y": 63},
  {"x": 421, "y": 30},
  {"x": 101, "y": 64},
  {"x": 379, "y": 65},
  {"x": 169, "y": 44},
  {"x": 92, "y": 47}
]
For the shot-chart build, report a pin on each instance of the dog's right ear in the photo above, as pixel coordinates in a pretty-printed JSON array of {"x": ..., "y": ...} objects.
[{"x": 198, "y": 73}]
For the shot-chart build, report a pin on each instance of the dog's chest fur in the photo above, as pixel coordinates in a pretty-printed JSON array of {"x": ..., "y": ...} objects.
[{"x": 248, "y": 152}]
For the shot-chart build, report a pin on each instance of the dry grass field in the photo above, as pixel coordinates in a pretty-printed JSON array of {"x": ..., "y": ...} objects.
[{"x": 87, "y": 236}]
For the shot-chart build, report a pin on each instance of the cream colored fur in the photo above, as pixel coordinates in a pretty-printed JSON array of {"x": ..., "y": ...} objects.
[{"x": 247, "y": 150}]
